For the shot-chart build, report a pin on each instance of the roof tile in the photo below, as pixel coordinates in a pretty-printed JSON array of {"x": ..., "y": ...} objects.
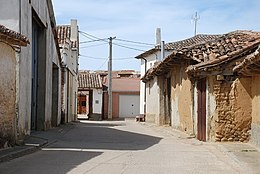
[
  {"x": 13, "y": 37},
  {"x": 87, "y": 80},
  {"x": 209, "y": 52},
  {"x": 63, "y": 33}
]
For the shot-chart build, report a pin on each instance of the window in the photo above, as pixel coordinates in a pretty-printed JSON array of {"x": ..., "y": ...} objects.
[
  {"x": 97, "y": 102},
  {"x": 83, "y": 103}
]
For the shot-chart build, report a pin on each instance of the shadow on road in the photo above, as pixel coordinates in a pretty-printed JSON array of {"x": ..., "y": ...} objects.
[
  {"x": 104, "y": 136},
  {"x": 50, "y": 162},
  {"x": 74, "y": 145}
]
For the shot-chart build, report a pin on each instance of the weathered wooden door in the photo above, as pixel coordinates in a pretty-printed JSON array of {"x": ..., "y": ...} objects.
[
  {"x": 90, "y": 102},
  {"x": 201, "y": 86}
]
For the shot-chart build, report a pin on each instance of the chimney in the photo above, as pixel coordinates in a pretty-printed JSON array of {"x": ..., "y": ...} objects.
[
  {"x": 158, "y": 36},
  {"x": 162, "y": 50},
  {"x": 74, "y": 30}
]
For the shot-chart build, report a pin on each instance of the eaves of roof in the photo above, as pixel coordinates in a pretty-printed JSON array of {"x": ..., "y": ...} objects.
[
  {"x": 209, "y": 53},
  {"x": 12, "y": 37}
]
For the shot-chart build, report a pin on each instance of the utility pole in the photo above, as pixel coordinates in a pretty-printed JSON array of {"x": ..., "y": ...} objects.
[
  {"x": 195, "y": 19},
  {"x": 110, "y": 105}
]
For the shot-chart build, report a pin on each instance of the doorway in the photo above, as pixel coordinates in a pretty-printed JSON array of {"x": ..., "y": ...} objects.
[{"x": 201, "y": 86}]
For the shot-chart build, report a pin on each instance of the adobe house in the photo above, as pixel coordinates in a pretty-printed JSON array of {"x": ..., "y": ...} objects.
[
  {"x": 10, "y": 43},
  {"x": 166, "y": 82},
  {"x": 232, "y": 85},
  {"x": 202, "y": 94}
]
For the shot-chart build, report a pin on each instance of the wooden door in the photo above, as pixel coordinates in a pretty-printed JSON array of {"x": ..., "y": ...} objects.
[{"x": 201, "y": 86}]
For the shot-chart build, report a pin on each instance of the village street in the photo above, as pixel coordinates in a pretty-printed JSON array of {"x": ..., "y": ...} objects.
[{"x": 122, "y": 147}]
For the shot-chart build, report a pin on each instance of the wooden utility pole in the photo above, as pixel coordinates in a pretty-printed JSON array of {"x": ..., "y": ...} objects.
[{"x": 110, "y": 100}]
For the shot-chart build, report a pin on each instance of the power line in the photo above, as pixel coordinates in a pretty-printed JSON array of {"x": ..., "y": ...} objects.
[
  {"x": 103, "y": 64},
  {"x": 90, "y": 57},
  {"x": 103, "y": 58},
  {"x": 136, "y": 42},
  {"x": 128, "y": 47},
  {"x": 92, "y": 36},
  {"x": 92, "y": 45},
  {"x": 123, "y": 58},
  {"x": 135, "y": 45},
  {"x": 87, "y": 36},
  {"x": 91, "y": 41}
]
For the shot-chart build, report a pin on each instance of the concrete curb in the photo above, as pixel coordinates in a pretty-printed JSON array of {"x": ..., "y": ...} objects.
[
  {"x": 32, "y": 144},
  {"x": 16, "y": 152}
]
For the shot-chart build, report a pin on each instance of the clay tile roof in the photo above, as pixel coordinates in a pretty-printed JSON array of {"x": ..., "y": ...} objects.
[
  {"x": 63, "y": 33},
  {"x": 223, "y": 49},
  {"x": 208, "y": 53},
  {"x": 180, "y": 44},
  {"x": 250, "y": 65},
  {"x": 88, "y": 80},
  {"x": 12, "y": 37}
]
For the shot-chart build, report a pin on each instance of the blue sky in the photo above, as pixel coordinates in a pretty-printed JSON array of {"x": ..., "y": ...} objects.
[{"x": 137, "y": 20}]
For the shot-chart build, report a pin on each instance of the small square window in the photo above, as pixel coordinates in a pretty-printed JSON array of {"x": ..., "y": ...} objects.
[
  {"x": 83, "y": 103},
  {"x": 97, "y": 102}
]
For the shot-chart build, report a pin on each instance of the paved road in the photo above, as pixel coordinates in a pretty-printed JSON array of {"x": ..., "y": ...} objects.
[{"x": 121, "y": 147}]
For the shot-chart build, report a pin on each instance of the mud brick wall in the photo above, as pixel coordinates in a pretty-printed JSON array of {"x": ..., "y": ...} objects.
[
  {"x": 7, "y": 95},
  {"x": 233, "y": 110}
]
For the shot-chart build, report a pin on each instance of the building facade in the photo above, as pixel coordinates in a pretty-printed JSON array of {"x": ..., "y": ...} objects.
[
  {"x": 202, "y": 91},
  {"x": 68, "y": 38},
  {"x": 125, "y": 98},
  {"x": 90, "y": 95},
  {"x": 38, "y": 65}
]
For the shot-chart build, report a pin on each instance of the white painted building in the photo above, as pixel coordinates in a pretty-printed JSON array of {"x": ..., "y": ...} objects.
[
  {"x": 149, "y": 60},
  {"x": 37, "y": 65},
  {"x": 90, "y": 94},
  {"x": 68, "y": 37}
]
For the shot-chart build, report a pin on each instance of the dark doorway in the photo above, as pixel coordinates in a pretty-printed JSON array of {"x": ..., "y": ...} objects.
[
  {"x": 38, "y": 93},
  {"x": 168, "y": 102},
  {"x": 55, "y": 95},
  {"x": 90, "y": 102},
  {"x": 201, "y": 86},
  {"x": 35, "y": 53}
]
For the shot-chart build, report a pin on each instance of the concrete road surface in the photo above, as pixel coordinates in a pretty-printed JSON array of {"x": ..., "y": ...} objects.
[{"x": 121, "y": 147}]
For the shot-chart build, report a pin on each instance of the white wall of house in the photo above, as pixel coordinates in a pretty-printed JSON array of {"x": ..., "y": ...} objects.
[
  {"x": 70, "y": 62},
  {"x": 153, "y": 101},
  {"x": 151, "y": 59},
  {"x": 97, "y": 101},
  {"x": 22, "y": 22}
]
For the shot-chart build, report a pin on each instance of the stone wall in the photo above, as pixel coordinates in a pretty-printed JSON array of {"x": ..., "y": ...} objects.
[{"x": 232, "y": 119}]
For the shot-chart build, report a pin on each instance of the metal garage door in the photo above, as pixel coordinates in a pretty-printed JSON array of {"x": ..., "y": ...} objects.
[{"x": 129, "y": 105}]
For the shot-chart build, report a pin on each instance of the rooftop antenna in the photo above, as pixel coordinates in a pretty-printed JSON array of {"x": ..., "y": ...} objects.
[{"x": 195, "y": 19}]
